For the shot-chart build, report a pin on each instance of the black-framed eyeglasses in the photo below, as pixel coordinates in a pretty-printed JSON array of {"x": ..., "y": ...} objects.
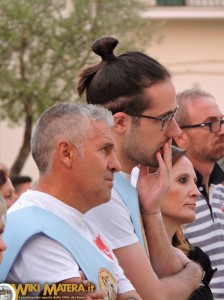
[
  {"x": 166, "y": 119},
  {"x": 214, "y": 126}
]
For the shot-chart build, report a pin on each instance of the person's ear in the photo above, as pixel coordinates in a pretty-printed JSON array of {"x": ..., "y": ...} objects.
[
  {"x": 121, "y": 122},
  {"x": 66, "y": 153},
  {"x": 181, "y": 140}
]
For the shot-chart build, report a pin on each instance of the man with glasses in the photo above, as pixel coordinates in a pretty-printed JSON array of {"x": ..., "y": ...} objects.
[
  {"x": 139, "y": 92},
  {"x": 165, "y": 119},
  {"x": 202, "y": 124}
]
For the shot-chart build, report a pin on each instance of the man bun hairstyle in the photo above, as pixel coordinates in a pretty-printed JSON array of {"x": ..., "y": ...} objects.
[
  {"x": 104, "y": 47},
  {"x": 119, "y": 82}
]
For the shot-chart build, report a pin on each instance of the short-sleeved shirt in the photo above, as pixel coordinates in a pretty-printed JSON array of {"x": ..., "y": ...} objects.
[
  {"x": 113, "y": 219},
  {"x": 43, "y": 260},
  {"x": 207, "y": 231}
]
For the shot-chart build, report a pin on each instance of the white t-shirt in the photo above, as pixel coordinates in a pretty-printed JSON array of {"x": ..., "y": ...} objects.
[
  {"x": 134, "y": 176},
  {"x": 113, "y": 220},
  {"x": 43, "y": 260}
]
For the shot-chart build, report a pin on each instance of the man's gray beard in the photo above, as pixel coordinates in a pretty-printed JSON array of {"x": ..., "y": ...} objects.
[{"x": 205, "y": 156}]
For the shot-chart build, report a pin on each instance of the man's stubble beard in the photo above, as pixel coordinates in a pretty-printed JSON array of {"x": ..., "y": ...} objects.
[{"x": 134, "y": 151}]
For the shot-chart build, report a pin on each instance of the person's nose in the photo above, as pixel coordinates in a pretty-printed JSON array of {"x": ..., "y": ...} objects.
[
  {"x": 194, "y": 192},
  {"x": 114, "y": 163},
  {"x": 173, "y": 129}
]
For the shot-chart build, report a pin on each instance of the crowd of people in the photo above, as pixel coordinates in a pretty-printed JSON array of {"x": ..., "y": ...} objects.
[{"x": 116, "y": 204}]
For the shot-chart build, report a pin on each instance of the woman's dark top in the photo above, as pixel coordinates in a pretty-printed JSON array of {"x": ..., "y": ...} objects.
[{"x": 204, "y": 291}]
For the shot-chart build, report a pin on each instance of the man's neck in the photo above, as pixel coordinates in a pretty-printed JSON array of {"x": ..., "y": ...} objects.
[
  {"x": 127, "y": 165},
  {"x": 205, "y": 169}
]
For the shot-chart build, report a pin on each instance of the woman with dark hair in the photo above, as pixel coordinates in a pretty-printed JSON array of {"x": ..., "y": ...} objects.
[{"x": 6, "y": 188}]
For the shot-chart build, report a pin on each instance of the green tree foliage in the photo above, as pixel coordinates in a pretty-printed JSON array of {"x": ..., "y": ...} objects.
[{"x": 44, "y": 43}]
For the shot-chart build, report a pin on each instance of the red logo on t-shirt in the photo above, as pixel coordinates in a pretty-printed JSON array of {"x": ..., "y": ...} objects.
[{"x": 100, "y": 244}]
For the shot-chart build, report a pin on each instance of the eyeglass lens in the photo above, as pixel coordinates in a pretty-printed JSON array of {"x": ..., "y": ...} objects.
[
  {"x": 216, "y": 126},
  {"x": 166, "y": 121}
]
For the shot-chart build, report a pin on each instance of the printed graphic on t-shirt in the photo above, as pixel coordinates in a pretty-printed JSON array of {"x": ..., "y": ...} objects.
[
  {"x": 100, "y": 244},
  {"x": 108, "y": 284}
]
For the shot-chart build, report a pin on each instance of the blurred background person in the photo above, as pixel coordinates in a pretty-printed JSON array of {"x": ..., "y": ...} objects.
[
  {"x": 21, "y": 183},
  {"x": 6, "y": 188}
]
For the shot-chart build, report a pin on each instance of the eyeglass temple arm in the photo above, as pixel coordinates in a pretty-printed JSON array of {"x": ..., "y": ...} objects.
[{"x": 195, "y": 125}]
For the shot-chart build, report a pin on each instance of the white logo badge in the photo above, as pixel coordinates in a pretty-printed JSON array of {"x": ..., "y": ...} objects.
[{"x": 7, "y": 292}]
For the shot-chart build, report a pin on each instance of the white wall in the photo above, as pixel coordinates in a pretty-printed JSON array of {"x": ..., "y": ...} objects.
[{"x": 194, "y": 53}]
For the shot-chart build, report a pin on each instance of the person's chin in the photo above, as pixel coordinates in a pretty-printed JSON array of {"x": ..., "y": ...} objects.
[
  {"x": 190, "y": 218},
  {"x": 108, "y": 196},
  {"x": 105, "y": 198},
  {"x": 153, "y": 163},
  {"x": 220, "y": 154}
]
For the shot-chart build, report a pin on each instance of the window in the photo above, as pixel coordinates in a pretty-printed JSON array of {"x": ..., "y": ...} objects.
[{"x": 170, "y": 2}]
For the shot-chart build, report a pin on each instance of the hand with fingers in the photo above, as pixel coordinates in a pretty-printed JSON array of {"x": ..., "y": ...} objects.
[
  {"x": 96, "y": 295},
  {"x": 152, "y": 185}
]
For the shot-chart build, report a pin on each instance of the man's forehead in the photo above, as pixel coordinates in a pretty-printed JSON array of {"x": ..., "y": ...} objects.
[
  {"x": 98, "y": 127},
  {"x": 161, "y": 97},
  {"x": 203, "y": 107},
  {"x": 100, "y": 132},
  {"x": 200, "y": 100},
  {"x": 159, "y": 107}
]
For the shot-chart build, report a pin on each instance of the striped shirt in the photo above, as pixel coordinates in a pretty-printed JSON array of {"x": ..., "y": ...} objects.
[{"x": 207, "y": 232}]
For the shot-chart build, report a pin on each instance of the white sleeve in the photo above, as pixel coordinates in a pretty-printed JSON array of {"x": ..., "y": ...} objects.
[
  {"x": 124, "y": 285},
  {"x": 43, "y": 260},
  {"x": 113, "y": 220}
]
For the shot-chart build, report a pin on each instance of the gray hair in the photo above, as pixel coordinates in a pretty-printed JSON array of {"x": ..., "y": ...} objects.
[
  {"x": 182, "y": 116},
  {"x": 66, "y": 121}
]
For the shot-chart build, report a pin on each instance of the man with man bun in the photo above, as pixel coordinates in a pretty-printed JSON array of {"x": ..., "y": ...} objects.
[{"x": 139, "y": 92}]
